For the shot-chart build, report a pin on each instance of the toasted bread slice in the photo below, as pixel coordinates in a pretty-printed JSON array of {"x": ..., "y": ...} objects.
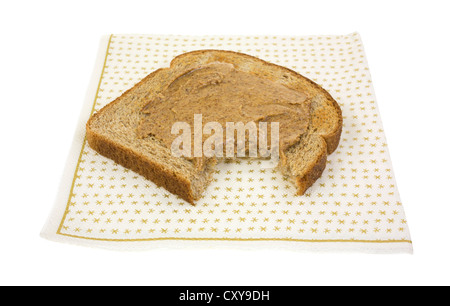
[{"x": 112, "y": 131}]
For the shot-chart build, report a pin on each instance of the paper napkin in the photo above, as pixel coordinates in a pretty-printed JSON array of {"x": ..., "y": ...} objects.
[{"x": 354, "y": 206}]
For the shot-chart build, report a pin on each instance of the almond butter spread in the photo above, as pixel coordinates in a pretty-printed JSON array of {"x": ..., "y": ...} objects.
[{"x": 223, "y": 94}]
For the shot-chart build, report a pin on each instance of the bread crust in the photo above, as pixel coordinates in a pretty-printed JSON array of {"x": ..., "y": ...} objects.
[
  {"x": 313, "y": 173},
  {"x": 131, "y": 159},
  {"x": 180, "y": 185}
]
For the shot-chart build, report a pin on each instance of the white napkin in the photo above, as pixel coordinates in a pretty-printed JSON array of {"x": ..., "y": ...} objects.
[{"x": 354, "y": 206}]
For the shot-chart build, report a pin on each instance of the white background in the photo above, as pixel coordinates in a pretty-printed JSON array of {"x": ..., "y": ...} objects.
[{"x": 47, "y": 53}]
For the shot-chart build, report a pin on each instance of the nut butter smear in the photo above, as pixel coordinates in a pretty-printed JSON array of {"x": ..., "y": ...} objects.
[{"x": 223, "y": 94}]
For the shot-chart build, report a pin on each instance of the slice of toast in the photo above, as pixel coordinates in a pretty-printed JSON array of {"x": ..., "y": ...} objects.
[{"x": 112, "y": 131}]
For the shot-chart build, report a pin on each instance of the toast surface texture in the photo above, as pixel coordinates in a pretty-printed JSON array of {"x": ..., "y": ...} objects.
[{"x": 112, "y": 131}]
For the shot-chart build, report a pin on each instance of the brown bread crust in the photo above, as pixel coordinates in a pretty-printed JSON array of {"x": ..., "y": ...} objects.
[
  {"x": 130, "y": 159},
  {"x": 303, "y": 183}
]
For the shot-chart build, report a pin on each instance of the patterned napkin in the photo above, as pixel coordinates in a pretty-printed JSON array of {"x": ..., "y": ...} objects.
[{"x": 354, "y": 206}]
